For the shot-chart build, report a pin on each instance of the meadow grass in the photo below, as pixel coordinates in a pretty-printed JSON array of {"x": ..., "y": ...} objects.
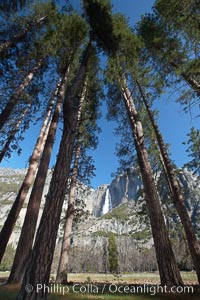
[
  {"x": 129, "y": 278},
  {"x": 9, "y": 292}
]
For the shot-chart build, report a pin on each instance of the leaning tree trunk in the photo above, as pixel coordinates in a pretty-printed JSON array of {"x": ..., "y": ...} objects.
[
  {"x": 192, "y": 83},
  {"x": 5, "y": 114},
  {"x": 175, "y": 188},
  {"x": 168, "y": 269},
  {"x": 188, "y": 79},
  {"x": 39, "y": 268},
  {"x": 26, "y": 184},
  {"x": 64, "y": 256},
  {"x": 29, "y": 226},
  {"x": 17, "y": 38},
  {"x": 61, "y": 277},
  {"x": 13, "y": 133}
]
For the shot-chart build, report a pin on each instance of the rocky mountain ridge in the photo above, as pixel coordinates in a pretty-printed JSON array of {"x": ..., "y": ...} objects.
[{"x": 118, "y": 208}]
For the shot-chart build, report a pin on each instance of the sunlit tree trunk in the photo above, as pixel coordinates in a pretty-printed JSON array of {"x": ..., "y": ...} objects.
[
  {"x": 194, "y": 84},
  {"x": 29, "y": 226},
  {"x": 64, "y": 256},
  {"x": 168, "y": 269},
  {"x": 13, "y": 132},
  {"x": 42, "y": 254},
  {"x": 26, "y": 184},
  {"x": 17, "y": 38},
  {"x": 175, "y": 188},
  {"x": 5, "y": 114}
]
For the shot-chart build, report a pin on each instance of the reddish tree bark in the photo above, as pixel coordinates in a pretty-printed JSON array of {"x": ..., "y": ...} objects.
[
  {"x": 29, "y": 226},
  {"x": 168, "y": 269},
  {"x": 5, "y": 114},
  {"x": 42, "y": 254},
  {"x": 175, "y": 189},
  {"x": 64, "y": 256},
  {"x": 26, "y": 184}
]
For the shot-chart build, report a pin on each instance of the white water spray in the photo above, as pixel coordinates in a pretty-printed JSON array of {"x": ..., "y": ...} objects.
[{"x": 107, "y": 203}]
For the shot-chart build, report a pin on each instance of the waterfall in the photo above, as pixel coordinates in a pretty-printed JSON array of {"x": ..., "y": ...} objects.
[{"x": 107, "y": 203}]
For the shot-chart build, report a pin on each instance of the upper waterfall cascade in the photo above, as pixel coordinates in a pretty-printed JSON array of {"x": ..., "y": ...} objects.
[{"x": 107, "y": 204}]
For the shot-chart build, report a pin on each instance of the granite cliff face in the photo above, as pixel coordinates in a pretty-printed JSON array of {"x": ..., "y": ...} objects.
[
  {"x": 10, "y": 181},
  {"x": 125, "y": 188},
  {"x": 97, "y": 201},
  {"x": 122, "y": 189},
  {"x": 118, "y": 208}
]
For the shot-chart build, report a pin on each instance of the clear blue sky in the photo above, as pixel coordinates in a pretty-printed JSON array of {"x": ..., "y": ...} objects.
[{"x": 174, "y": 124}]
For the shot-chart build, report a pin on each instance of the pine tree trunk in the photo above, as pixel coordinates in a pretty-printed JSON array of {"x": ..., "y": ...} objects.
[
  {"x": 39, "y": 268},
  {"x": 5, "y": 114},
  {"x": 175, "y": 188},
  {"x": 26, "y": 184},
  {"x": 192, "y": 83},
  {"x": 168, "y": 269},
  {"x": 64, "y": 256},
  {"x": 188, "y": 78},
  {"x": 29, "y": 226},
  {"x": 13, "y": 132},
  {"x": 17, "y": 38}
]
